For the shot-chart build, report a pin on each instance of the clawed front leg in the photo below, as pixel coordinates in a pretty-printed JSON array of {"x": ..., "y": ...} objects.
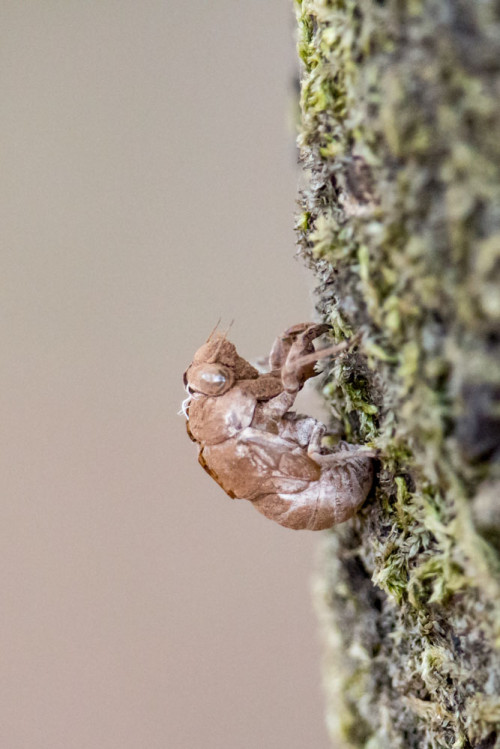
[
  {"x": 301, "y": 358},
  {"x": 305, "y": 332},
  {"x": 288, "y": 357}
]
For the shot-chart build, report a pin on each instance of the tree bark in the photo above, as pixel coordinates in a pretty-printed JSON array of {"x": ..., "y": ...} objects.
[{"x": 400, "y": 219}]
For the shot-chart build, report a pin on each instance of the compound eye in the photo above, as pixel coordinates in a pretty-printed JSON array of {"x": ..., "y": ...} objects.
[
  {"x": 216, "y": 380},
  {"x": 210, "y": 379}
]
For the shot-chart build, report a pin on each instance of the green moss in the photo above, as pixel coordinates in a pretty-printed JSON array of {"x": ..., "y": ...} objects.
[{"x": 400, "y": 140}]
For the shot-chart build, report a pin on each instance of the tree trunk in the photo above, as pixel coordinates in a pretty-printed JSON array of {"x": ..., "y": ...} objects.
[{"x": 400, "y": 219}]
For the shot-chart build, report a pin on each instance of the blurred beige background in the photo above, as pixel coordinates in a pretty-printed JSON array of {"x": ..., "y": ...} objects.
[{"x": 148, "y": 187}]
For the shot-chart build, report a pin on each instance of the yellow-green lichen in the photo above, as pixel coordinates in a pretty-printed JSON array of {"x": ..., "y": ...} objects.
[{"x": 400, "y": 144}]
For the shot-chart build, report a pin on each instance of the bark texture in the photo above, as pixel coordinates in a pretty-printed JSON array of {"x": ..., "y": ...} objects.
[{"x": 400, "y": 219}]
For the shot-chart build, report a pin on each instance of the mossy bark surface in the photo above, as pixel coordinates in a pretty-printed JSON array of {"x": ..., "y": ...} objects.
[{"x": 400, "y": 219}]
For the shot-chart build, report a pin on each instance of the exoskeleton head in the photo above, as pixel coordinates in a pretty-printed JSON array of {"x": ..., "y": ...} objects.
[{"x": 216, "y": 367}]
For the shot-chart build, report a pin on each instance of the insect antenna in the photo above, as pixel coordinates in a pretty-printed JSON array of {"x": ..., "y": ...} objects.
[
  {"x": 223, "y": 338},
  {"x": 214, "y": 329}
]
